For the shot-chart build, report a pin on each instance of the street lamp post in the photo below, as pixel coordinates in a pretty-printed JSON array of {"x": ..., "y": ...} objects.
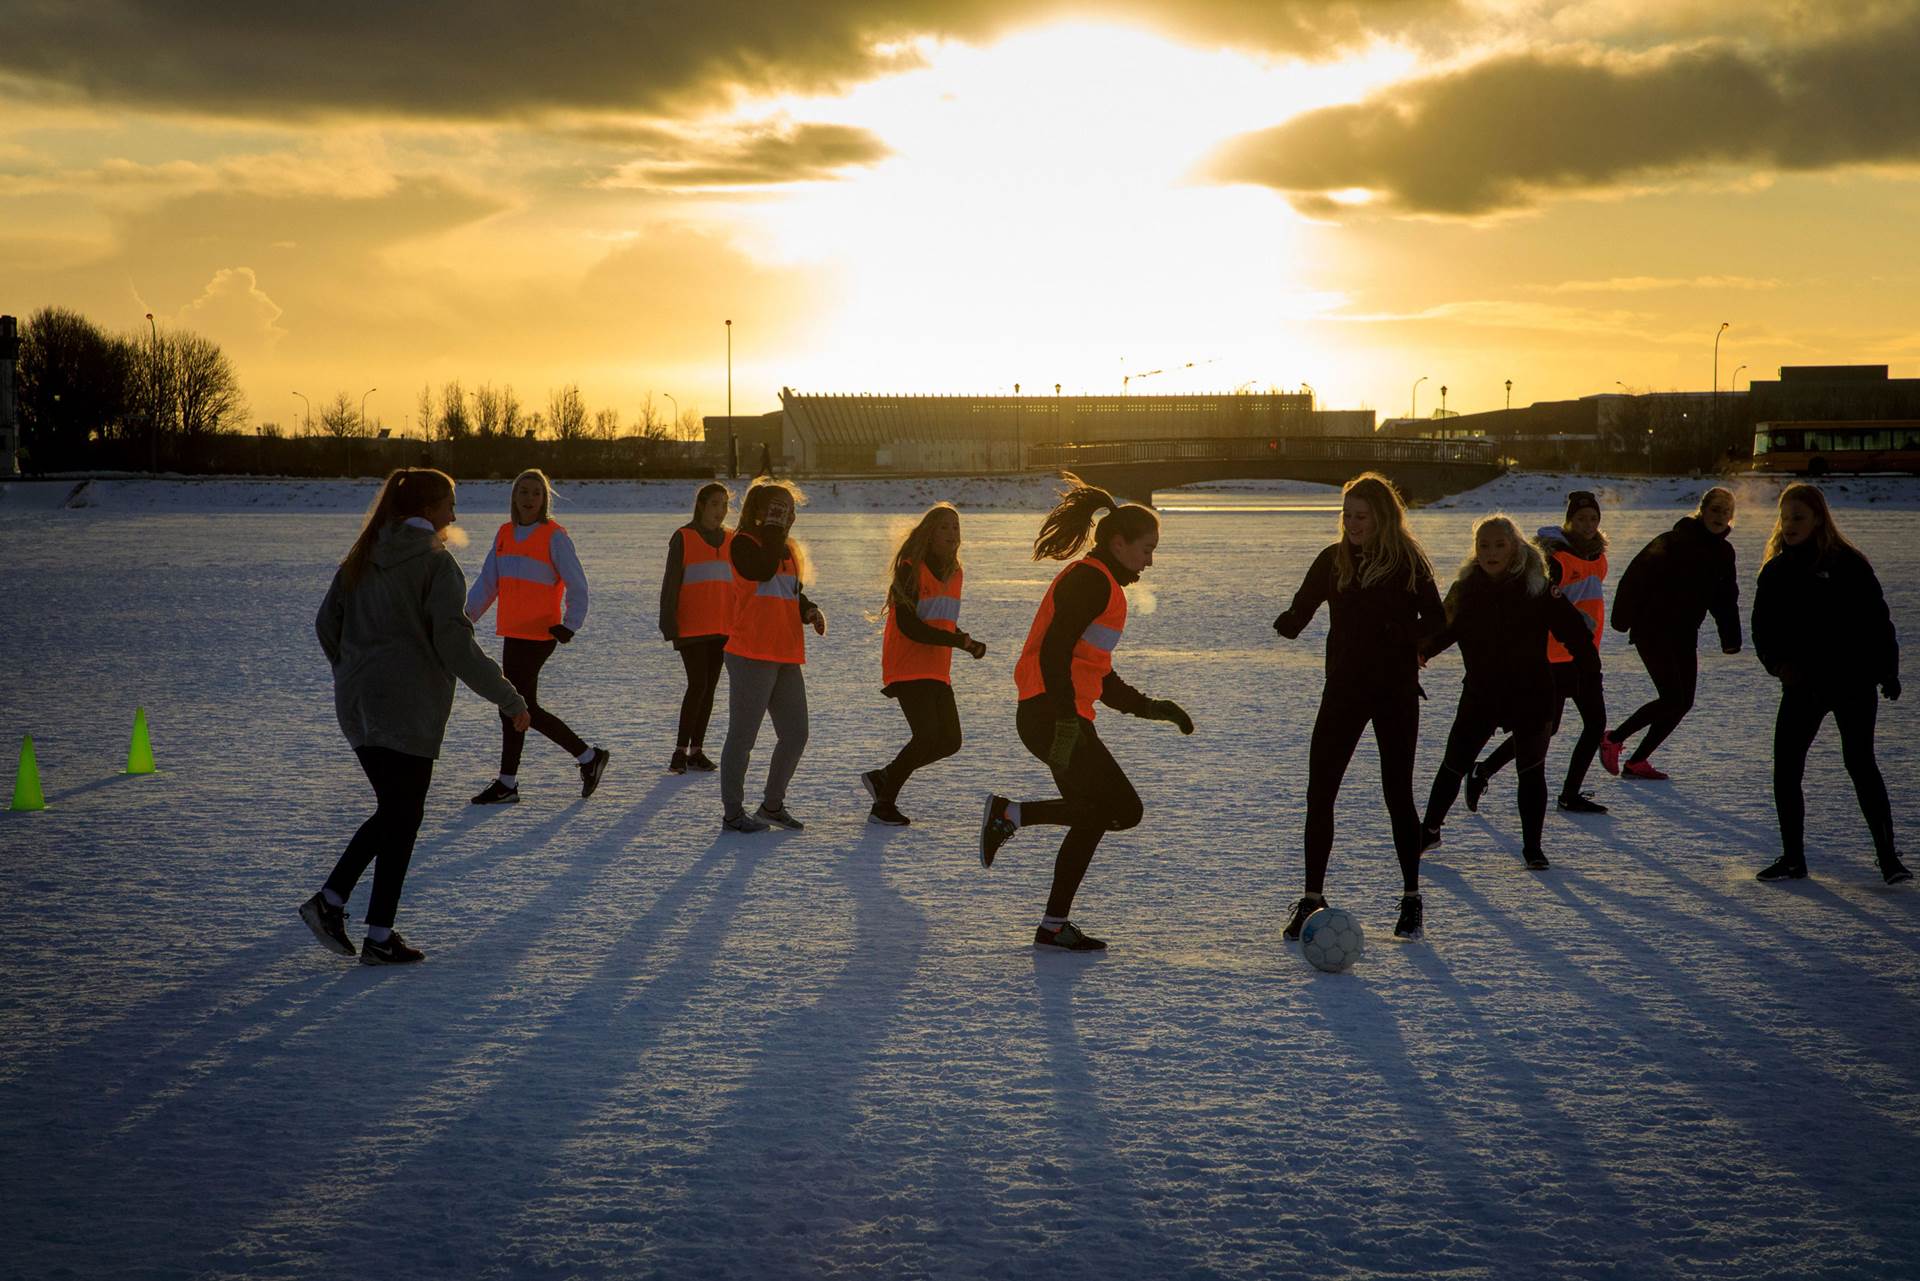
[
  {"x": 1509, "y": 395},
  {"x": 306, "y": 424},
  {"x": 363, "y": 426},
  {"x": 733, "y": 449},
  {"x": 676, "y": 413},
  {"x": 1714, "y": 406},
  {"x": 1413, "y": 397},
  {"x": 1018, "y": 459},
  {"x": 153, "y": 401},
  {"x": 1443, "y": 400}
]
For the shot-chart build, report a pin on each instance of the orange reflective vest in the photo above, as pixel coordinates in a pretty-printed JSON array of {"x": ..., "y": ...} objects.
[
  {"x": 766, "y": 616},
  {"x": 1092, "y": 653},
  {"x": 705, "y": 606},
  {"x": 1580, "y": 582},
  {"x": 905, "y": 659},
  {"x": 530, "y": 588}
]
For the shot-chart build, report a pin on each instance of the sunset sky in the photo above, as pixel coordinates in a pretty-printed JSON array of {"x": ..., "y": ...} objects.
[{"x": 957, "y": 197}]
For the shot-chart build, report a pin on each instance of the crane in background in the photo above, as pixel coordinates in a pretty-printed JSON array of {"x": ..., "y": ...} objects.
[{"x": 1127, "y": 379}]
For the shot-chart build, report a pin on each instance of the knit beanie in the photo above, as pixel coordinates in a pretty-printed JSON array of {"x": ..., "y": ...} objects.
[{"x": 1580, "y": 498}]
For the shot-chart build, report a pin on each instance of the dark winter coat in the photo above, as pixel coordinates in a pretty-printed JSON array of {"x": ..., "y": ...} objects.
[
  {"x": 1502, "y": 631},
  {"x": 1820, "y": 618},
  {"x": 1675, "y": 581},
  {"x": 1374, "y": 634}
]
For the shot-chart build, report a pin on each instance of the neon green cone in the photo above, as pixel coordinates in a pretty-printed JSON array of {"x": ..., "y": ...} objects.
[
  {"x": 26, "y": 784},
  {"x": 140, "y": 750}
]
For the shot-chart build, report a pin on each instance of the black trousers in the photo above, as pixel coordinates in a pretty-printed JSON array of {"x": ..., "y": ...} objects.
[
  {"x": 1095, "y": 798},
  {"x": 704, "y": 660},
  {"x": 1344, "y": 715},
  {"x": 934, "y": 723},
  {"x": 1673, "y": 663},
  {"x": 522, "y": 660},
  {"x": 1802, "y": 708},
  {"x": 1473, "y": 725},
  {"x": 1590, "y": 699},
  {"x": 386, "y": 840}
]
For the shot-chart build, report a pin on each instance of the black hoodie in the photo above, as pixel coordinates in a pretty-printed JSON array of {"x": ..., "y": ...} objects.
[
  {"x": 1674, "y": 582},
  {"x": 1374, "y": 633},
  {"x": 1502, "y": 630},
  {"x": 1820, "y": 618}
]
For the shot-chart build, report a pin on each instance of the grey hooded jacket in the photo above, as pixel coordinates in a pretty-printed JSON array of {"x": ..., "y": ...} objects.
[{"x": 398, "y": 639}]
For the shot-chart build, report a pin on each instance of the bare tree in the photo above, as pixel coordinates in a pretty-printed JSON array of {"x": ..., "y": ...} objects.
[
  {"x": 486, "y": 410},
  {"x": 532, "y": 426},
  {"x": 512, "y": 420},
  {"x": 454, "y": 422},
  {"x": 75, "y": 382},
  {"x": 690, "y": 427},
  {"x": 204, "y": 390},
  {"x": 426, "y": 411},
  {"x": 606, "y": 423},
  {"x": 340, "y": 418},
  {"x": 567, "y": 413},
  {"x": 651, "y": 424}
]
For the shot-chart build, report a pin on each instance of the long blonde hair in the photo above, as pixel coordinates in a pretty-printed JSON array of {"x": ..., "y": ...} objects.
[
  {"x": 753, "y": 510},
  {"x": 1717, "y": 491},
  {"x": 546, "y": 495},
  {"x": 1070, "y": 525},
  {"x": 407, "y": 492},
  {"x": 1826, "y": 538},
  {"x": 1528, "y": 564},
  {"x": 1394, "y": 552},
  {"x": 903, "y": 586}
]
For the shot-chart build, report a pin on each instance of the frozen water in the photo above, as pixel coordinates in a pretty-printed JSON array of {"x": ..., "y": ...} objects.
[{"x": 641, "y": 1048}]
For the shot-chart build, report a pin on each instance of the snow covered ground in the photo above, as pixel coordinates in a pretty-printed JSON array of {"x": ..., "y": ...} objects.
[{"x": 640, "y": 1048}]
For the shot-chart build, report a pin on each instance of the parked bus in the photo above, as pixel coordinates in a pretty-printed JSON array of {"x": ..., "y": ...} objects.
[{"x": 1820, "y": 449}]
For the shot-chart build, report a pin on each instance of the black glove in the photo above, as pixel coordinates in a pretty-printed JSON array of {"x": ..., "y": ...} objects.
[
  {"x": 559, "y": 633},
  {"x": 1890, "y": 687},
  {"x": 1165, "y": 709},
  {"x": 977, "y": 648},
  {"x": 1066, "y": 737},
  {"x": 1277, "y": 622}
]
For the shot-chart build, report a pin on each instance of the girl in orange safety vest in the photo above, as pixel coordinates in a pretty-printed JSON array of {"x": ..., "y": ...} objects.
[
  {"x": 1065, "y": 667},
  {"x": 1576, "y": 553},
  {"x": 916, "y": 654},
  {"x": 532, "y": 571},
  {"x": 765, "y": 652},
  {"x": 696, "y": 613}
]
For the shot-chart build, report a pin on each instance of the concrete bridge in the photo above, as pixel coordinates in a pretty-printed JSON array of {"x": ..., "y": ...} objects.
[{"x": 1424, "y": 470}]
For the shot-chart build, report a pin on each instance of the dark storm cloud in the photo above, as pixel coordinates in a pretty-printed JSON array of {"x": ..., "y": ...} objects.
[
  {"x": 753, "y": 155},
  {"x": 1498, "y": 135},
  {"x": 487, "y": 59}
]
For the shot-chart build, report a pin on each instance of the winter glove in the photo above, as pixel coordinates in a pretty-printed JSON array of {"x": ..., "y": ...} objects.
[
  {"x": 817, "y": 620},
  {"x": 1066, "y": 737},
  {"x": 977, "y": 648},
  {"x": 1165, "y": 709},
  {"x": 1890, "y": 687},
  {"x": 560, "y": 633}
]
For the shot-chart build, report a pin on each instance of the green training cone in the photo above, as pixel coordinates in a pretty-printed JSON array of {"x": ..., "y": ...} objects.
[
  {"x": 26, "y": 784},
  {"x": 140, "y": 750}
]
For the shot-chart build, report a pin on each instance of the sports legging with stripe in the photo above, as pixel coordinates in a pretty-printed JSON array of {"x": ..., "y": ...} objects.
[{"x": 1095, "y": 798}]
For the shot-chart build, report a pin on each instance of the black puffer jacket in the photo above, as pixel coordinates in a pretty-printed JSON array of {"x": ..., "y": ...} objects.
[
  {"x": 1502, "y": 630},
  {"x": 1675, "y": 581},
  {"x": 1374, "y": 633},
  {"x": 1820, "y": 618}
]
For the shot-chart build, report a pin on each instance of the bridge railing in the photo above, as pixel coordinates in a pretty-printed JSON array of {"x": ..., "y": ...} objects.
[{"x": 1354, "y": 449}]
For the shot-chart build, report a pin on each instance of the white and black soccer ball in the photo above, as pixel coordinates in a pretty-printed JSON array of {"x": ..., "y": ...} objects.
[{"x": 1332, "y": 940}]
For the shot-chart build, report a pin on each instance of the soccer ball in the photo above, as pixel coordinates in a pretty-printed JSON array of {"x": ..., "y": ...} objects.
[{"x": 1332, "y": 940}]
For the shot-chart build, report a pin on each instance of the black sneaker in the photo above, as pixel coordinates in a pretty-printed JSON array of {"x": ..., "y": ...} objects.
[
  {"x": 590, "y": 772},
  {"x": 887, "y": 814},
  {"x": 1476, "y": 788},
  {"x": 1429, "y": 838},
  {"x": 677, "y": 765},
  {"x": 697, "y": 759},
  {"x": 875, "y": 781},
  {"x": 328, "y": 923},
  {"x": 996, "y": 829},
  {"x": 779, "y": 818},
  {"x": 743, "y": 822},
  {"x": 395, "y": 951},
  {"x": 1307, "y": 906},
  {"x": 1580, "y": 803},
  {"x": 1894, "y": 870},
  {"x": 1413, "y": 917},
  {"x": 497, "y": 793},
  {"x": 1536, "y": 859},
  {"x": 1067, "y": 938},
  {"x": 1783, "y": 869}
]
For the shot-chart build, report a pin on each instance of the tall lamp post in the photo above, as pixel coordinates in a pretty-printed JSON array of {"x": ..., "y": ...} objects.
[
  {"x": 1018, "y": 459},
  {"x": 1413, "y": 397},
  {"x": 363, "y": 426},
  {"x": 1509, "y": 395},
  {"x": 153, "y": 398},
  {"x": 676, "y": 413},
  {"x": 1714, "y": 427},
  {"x": 306, "y": 424},
  {"x": 733, "y": 449}
]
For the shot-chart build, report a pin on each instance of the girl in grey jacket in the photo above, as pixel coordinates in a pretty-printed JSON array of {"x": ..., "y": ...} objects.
[{"x": 395, "y": 631}]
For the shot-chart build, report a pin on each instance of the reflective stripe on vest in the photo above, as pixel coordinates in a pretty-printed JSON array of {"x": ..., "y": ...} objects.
[
  {"x": 1092, "y": 653},
  {"x": 705, "y": 604},
  {"x": 766, "y": 616},
  {"x": 904, "y": 659},
  {"x": 1581, "y": 581},
  {"x": 530, "y": 588}
]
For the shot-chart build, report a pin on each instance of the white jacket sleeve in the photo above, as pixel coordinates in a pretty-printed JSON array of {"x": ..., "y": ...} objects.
[
  {"x": 485, "y": 588},
  {"x": 567, "y": 562}
]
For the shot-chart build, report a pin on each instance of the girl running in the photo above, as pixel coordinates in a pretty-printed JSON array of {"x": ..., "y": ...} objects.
[
  {"x": 1821, "y": 627},
  {"x": 696, "y": 613},
  {"x": 916, "y": 654},
  {"x": 1500, "y": 612},
  {"x": 1065, "y": 667},
  {"x": 395, "y": 633},
  {"x": 1576, "y": 556},
  {"x": 1378, "y": 586},
  {"x": 1668, "y": 590},
  {"x": 765, "y": 652},
  {"x": 531, "y": 568}
]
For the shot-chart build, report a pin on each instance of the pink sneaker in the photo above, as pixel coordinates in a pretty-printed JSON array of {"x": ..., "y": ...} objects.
[
  {"x": 1643, "y": 769},
  {"x": 1610, "y": 749}
]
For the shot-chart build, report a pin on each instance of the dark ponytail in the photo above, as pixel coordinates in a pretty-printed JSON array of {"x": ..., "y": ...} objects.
[
  {"x": 408, "y": 492},
  {"x": 1070, "y": 524}
]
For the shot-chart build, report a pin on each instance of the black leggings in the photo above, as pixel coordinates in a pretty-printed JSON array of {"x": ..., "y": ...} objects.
[
  {"x": 1336, "y": 733},
  {"x": 1589, "y": 697},
  {"x": 1472, "y": 727},
  {"x": 522, "y": 660},
  {"x": 935, "y": 724},
  {"x": 386, "y": 840},
  {"x": 1854, "y": 709},
  {"x": 1095, "y": 798},
  {"x": 1674, "y": 666},
  {"x": 704, "y": 660}
]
